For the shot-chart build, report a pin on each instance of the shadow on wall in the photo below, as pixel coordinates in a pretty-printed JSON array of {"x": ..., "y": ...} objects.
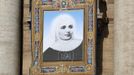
[{"x": 102, "y": 32}]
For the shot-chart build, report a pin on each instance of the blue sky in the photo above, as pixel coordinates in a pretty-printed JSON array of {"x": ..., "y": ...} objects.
[{"x": 78, "y": 15}]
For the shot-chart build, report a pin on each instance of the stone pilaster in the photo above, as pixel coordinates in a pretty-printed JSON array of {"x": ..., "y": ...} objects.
[
  {"x": 10, "y": 37},
  {"x": 124, "y": 37}
]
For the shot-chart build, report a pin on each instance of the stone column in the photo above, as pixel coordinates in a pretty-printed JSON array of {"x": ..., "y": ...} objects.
[
  {"x": 124, "y": 37},
  {"x": 10, "y": 31}
]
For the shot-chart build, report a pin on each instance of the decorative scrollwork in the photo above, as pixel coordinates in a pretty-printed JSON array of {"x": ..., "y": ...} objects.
[
  {"x": 62, "y": 68},
  {"x": 62, "y": 3},
  {"x": 36, "y": 20},
  {"x": 90, "y": 34},
  {"x": 36, "y": 53},
  {"x": 36, "y": 37},
  {"x": 77, "y": 69},
  {"x": 90, "y": 22},
  {"x": 50, "y": 69}
]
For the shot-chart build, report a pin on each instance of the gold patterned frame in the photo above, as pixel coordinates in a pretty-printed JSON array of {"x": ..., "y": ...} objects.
[{"x": 38, "y": 67}]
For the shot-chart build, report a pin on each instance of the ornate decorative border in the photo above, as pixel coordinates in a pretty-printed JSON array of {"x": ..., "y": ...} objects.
[
  {"x": 36, "y": 32},
  {"x": 63, "y": 4},
  {"x": 50, "y": 2},
  {"x": 90, "y": 31}
]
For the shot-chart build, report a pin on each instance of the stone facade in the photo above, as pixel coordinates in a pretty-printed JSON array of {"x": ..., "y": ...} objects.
[
  {"x": 123, "y": 37},
  {"x": 10, "y": 41}
]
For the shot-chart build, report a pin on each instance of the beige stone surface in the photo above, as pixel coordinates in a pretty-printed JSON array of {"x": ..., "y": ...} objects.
[
  {"x": 10, "y": 37},
  {"x": 26, "y": 52},
  {"x": 108, "y": 53},
  {"x": 26, "y": 40},
  {"x": 123, "y": 37}
]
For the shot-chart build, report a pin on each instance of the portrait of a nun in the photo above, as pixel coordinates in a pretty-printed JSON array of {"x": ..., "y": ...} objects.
[{"x": 62, "y": 43}]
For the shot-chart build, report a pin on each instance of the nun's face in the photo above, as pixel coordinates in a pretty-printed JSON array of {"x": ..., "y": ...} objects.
[{"x": 65, "y": 32}]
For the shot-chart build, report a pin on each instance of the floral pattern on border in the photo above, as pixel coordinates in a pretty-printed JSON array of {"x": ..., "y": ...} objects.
[
  {"x": 62, "y": 3},
  {"x": 49, "y": 69},
  {"x": 90, "y": 40},
  {"x": 90, "y": 22},
  {"x": 36, "y": 43},
  {"x": 36, "y": 20},
  {"x": 77, "y": 69},
  {"x": 36, "y": 53}
]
